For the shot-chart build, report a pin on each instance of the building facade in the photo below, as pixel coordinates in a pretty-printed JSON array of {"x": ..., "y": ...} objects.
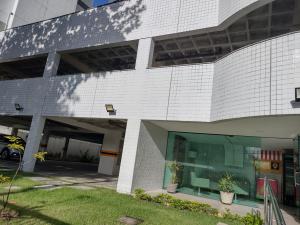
[{"x": 206, "y": 83}]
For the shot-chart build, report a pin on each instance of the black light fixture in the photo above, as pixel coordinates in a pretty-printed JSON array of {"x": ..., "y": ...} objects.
[
  {"x": 297, "y": 94},
  {"x": 109, "y": 108},
  {"x": 18, "y": 107}
]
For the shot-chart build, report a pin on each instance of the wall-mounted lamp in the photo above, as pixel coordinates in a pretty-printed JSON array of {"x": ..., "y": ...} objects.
[
  {"x": 297, "y": 94},
  {"x": 110, "y": 108},
  {"x": 18, "y": 107}
]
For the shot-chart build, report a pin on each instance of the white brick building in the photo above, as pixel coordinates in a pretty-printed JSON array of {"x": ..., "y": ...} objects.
[{"x": 208, "y": 83}]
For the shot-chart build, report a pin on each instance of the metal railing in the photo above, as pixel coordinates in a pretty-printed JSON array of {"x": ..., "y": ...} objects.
[{"x": 272, "y": 212}]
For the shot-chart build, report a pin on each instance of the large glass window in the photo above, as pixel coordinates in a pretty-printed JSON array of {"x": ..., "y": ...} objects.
[{"x": 205, "y": 158}]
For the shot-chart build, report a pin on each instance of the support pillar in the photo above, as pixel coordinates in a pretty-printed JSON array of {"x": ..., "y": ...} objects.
[
  {"x": 44, "y": 141},
  {"x": 33, "y": 142},
  {"x": 52, "y": 64},
  {"x": 65, "y": 149},
  {"x": 109, "y": 153},
  {"x": 14, "y": 131},
  {"x": 125, "y": 180},
  {"x": 145, "y": 52}
]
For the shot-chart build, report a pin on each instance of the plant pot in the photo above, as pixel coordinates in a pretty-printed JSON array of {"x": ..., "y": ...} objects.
[
  {"x": 172, "y": 188},
  {"x": 227, "y": 197}
]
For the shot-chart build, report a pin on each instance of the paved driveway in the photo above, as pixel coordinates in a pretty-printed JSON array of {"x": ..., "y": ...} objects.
[{"x": 55, "y": 174}]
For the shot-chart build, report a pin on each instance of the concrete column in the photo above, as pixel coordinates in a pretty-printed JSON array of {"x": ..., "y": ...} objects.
[
  {"x": 145, "y": 52},
  {"x": 109, "y": 153},
  {"x": 14, "y": 131},
  {"x": 150, "y": 157},
  {"x": 52, "y": 64},
  {"x": 33, "y": 142},
  {"x": 65, "y": 149},
  {"x": 125, "y": 180},
  {"x": 44, "y": 141}
]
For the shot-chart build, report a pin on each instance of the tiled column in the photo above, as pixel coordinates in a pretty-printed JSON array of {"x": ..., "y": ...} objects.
[
  {"x": 33, "y": 142},
  {"x": 125, "y": 180},
  {"x": 38, "y": 121},
  {"x": 44, "y": 141},
  {"x": 144, "y": 54},
  {"x": 52, "y": 64},
  {"x": 14, "y": 131},
  {"x": 109, "y": 153}
]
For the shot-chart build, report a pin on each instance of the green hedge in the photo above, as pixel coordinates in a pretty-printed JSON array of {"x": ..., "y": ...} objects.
[{"x": 252, "y": 218}]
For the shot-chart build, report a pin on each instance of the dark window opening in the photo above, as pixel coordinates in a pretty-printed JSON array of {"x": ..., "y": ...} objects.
[
  {"x": 276, "y": 18},
  {"x": 107, "y": 58},
  {"x": 25, "y": 68}
]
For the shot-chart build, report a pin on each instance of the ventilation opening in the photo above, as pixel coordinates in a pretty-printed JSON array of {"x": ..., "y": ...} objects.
[
  {"x": 21, "y": 69},
  {"x": 106, "y": 58},
  {"x": 277, "y": 18}
]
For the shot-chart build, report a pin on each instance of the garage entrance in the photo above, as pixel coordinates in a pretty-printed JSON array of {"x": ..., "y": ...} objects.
[{"x": 81, "y": 146}]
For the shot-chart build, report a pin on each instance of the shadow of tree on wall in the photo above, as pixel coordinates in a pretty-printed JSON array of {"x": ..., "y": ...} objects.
[
  {"x": 85, "y": 29},
  {"x": 93, "y": 27}
]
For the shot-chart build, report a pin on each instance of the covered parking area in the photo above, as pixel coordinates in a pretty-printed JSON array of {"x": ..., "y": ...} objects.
[{"x": 67, "y": 137}]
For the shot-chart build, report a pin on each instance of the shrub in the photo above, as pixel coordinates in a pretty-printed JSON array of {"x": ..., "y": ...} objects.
[
  {"x": 174, "y": 168},
  {"x": 253, "y": 218},
  {"x": 170, "y": 201},
  {"x": 17, "y": 144},
  {"x": 4, "y": 179},
  {"x": 231, "y": 216},
  {"x": 140, "y": 194},
  {"x": 226, "y": 183},
  {"x": 163, "y": 199}
]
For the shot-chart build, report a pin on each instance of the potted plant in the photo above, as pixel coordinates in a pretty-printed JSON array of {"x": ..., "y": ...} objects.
[
  {"x": 226, "y": 185},
  {"x": 174, "y": 168}
]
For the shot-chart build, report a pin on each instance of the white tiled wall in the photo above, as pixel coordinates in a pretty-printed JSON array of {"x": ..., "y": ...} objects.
[
  {"x": 195, "y": 14},
  {"x": 228, "y": 8},
  {"x": 131, "y": 20},
  {"x": 150, "y": 158},
  {"x": 127, "y": 166},
  {"x": 258, "y": 80},
  {"x": 155, "y": 93},
  {"x": 253, "y": 81},
  {"x": 190, "y": 93},
  {"x": 242, "y": 83},
  {"x": 285, "y": 74},
  {"x": 178, "y": 93},
  {"x": 31, "y": 11},
  {"x": 23, "y": 93}
]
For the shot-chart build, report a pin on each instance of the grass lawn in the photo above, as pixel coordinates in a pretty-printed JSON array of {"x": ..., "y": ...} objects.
[{"x": 67, "y": 206}]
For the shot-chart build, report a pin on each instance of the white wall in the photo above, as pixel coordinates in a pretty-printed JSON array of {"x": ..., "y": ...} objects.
[
  {"x": 6, "y": 7},
  {"x": 21, "y": 92},
  {"x": 163, "y": 93},
  {"x": 258, "y": 80},
  {"x": 76, "y": 147},
  {"x": 130, "y": 20},
  {"x": 30, "y": 11},
  {"x": 150, "y": 157},
  {"x": 5, "y": 130},
  {"x": 228, "y": 8}
]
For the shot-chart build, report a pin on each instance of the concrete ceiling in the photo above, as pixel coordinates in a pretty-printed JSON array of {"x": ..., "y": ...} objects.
[
  {"x": 270, "y": 126},
  {"x": 105, "y": 123},
  {"x": 276, "y": 18},
  {"x": 85, "y": 129},
  {"x": 65, "y": 124}
]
